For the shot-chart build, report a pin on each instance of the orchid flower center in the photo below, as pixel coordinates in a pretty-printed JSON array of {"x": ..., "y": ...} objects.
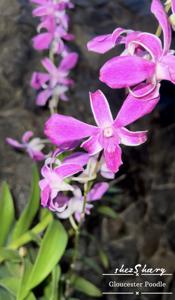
[{"x": 108, "y": 132}]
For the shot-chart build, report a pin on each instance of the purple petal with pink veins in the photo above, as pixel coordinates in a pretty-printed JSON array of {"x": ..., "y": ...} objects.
[
  {"x": 63, "y": 129},
  {"x": 158, "y": 10},
  {"x": 130, "y": 138},
  {"x": 126, "y": 71},
  {"x": 113, "y": 158},
  {"x": 101, "y": 110}
]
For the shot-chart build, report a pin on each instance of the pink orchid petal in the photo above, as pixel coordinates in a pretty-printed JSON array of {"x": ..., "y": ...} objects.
[
  {"x": 36, "y": 155},
  {"x": 41, "y": 11},
  {"x": 43, "y": 97},
  {"x": 77, "y": 158},
  {"x": 68, "y": 62},
  {"x": 49, "y": 66},
  {"x": 27, "y": 136},
  {"x": 126, "y": 71},
  {"x": 67, "y": 170},
  {"x": 45, "y": 193},
  {"x": 173, "y": 6},
  {"x": 135, "y": 108},
  {"x": 158, "y": 10},
  {"x": 97, "y": 192},
  {"x": 105, "y": 172},
  {"x": 113, "y": 159},
  {"x": 167, "y": 68},
  {"x": 42, "y": 41},
  {"x": 103, "y": 43},
  {"x": 38, "y": 79},
  {"x": 92, "y": 145},
  {"x": 101, "y": 110},
  {"x": 150, "y": 42},
  {"x": 62, "y": 129},
  {"x": 14, "y": 143},
  {"x": 130, "y": 138}
]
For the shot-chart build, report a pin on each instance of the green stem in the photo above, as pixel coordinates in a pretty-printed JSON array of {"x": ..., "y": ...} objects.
[{"x": 28, "y": 236}]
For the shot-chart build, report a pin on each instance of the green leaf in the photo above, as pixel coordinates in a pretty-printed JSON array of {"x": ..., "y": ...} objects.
[
  {"x": 27, "y": 267},
  {"x": 5, "y": 295},
  {"x": 56, "y": 273},
  {"x": 7, "y": 213},
  {"x": 31, "y": 209},
  {"x": 6, "y": 254},
  {"x": 11, "y": 284},
  {"x": 52, "y": 248},
  {"x": 82, "y": 285},
  {"x": 104, "y": 259},
  {"x": 31, "y": 296},
  {"x": 107, "y": 211}
]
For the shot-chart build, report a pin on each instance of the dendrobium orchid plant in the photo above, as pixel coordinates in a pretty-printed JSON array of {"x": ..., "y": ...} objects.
[{"x": 72, "y": 180}]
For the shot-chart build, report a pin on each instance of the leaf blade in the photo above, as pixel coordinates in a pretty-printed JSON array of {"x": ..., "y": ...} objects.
[{"x": 7, "y": 213}]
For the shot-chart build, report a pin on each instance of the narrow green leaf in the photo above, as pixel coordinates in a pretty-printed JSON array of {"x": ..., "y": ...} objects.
[
  {"x": 104, "y": 259},
  {"x": 11, "y": 284},
  {"x": 31, "y": 296},
  {"x": 27, "y": 267},
  {"x": 56, "y": 273},
  {"x": 107, "y": 211},
  {"x": 52, "y": 248},
  {"x": 31, "y": 209},
  {"x": 7, "y": 213},
  {"x": 86, "y": 287}
]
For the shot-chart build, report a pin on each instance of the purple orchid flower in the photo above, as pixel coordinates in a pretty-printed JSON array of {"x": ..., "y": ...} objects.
[
  {"x": 32, "y": 146},
  {"x": 109, "y": 133},
  {"x": 55, "y": 10},
  {"x": 54, "y": 182},
  {"x": 54, "y": 38},
  {"x": 56, "y": 81},
  {"x": 74, "y": 205},
  {"x": 54, "y": 172},
  {"x": 144, "y": 59}
]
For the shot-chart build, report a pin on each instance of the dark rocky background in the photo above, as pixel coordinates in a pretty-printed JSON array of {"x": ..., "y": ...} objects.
[{"x": 145, "y": 228}]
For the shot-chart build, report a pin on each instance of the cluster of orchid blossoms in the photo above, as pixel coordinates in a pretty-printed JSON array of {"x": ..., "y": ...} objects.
[
  {"x": 53, "y": 84},
  {"x": 140, "y": 68}
]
